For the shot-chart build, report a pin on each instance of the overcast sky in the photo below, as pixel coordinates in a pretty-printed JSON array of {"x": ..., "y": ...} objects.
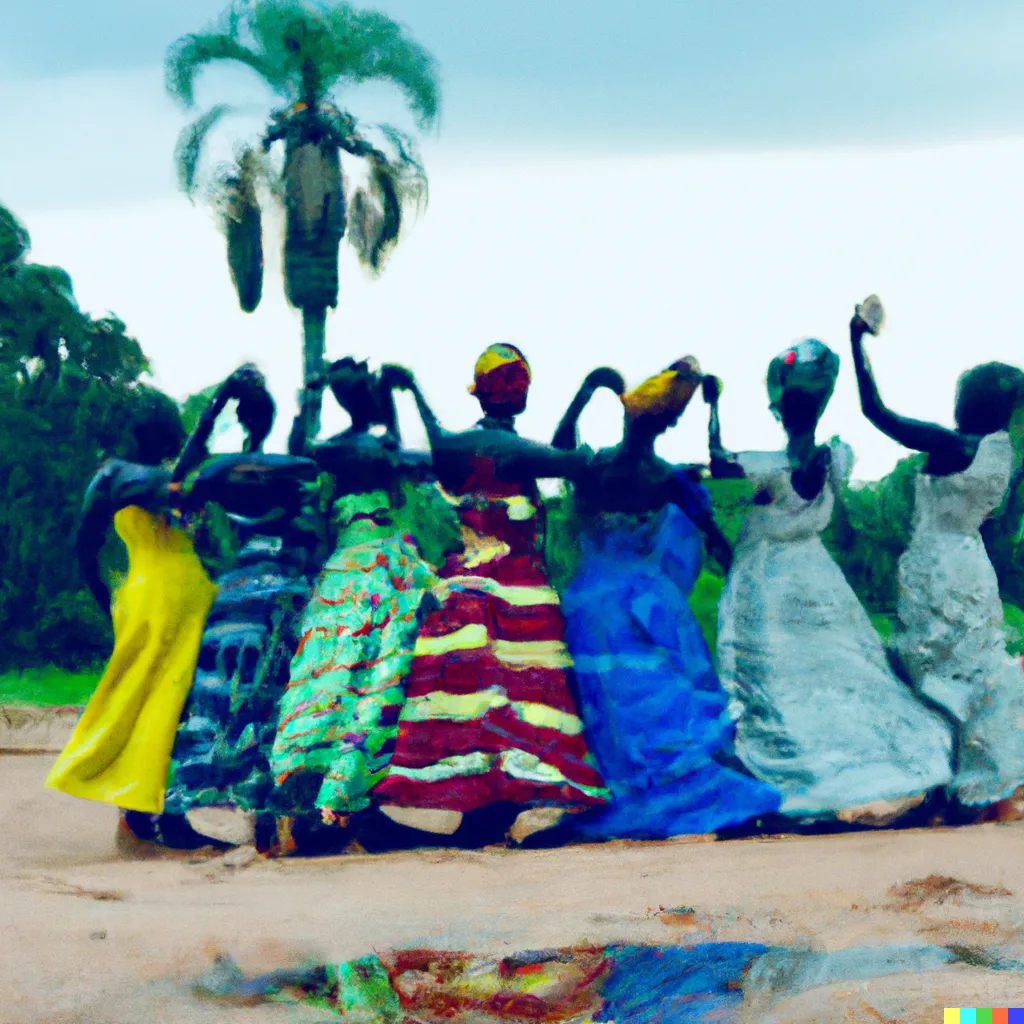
[{"x": 613, "y": 181}]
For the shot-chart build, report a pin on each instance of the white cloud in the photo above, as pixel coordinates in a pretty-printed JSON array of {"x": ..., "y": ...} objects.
[{"x": 631, "y": 262}]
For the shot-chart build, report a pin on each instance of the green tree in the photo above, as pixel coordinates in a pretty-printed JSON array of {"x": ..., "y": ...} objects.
[
  {"x": 69, "y": 393},
  {"x": 306, "y": 52}
]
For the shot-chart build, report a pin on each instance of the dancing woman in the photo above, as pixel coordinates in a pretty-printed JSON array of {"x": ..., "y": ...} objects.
[
  {"x": 821, "y": 715},
  {"x": 339, "y": 713},
  {"x": 949, "y": 636},
  {"x": 490, "y": 721},
  {"x": 220, "y": 779},
  {"x": 655, "y": 713},
  {"x": 121, "y": 747}
]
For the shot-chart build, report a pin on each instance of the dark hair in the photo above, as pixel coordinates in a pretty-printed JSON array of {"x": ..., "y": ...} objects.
[
  {"x": 157, "y": 428},
  {"x": 986, "y": 397},
  {"x": 256, "y": 411},
  {"x": 359, "y": 392}
]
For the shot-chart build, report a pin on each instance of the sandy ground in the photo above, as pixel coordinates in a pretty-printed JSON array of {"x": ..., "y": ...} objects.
[{"x": 88, "y": 934}]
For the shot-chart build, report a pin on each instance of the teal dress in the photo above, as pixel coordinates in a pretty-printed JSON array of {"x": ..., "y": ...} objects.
[{"x": 338, "y": 717}]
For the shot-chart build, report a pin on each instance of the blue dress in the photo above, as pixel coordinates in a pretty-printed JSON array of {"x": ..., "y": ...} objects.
[{"x": 655, "y": 713}]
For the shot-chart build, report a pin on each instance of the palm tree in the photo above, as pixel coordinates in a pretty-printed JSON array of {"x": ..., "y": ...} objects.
[{"x": 304, "y": 51}]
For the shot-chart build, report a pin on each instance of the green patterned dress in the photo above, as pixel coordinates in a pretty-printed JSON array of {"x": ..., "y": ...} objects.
[{"x": 339, "y": 714}]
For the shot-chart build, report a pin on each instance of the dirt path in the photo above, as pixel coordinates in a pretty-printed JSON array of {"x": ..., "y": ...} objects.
[{"x": 90, "y": 936}]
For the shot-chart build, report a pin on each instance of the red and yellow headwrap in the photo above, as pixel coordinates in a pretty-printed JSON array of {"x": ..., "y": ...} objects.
[
  {"x": 666, "y": 392},
  {"x": 501, "y": 378}
]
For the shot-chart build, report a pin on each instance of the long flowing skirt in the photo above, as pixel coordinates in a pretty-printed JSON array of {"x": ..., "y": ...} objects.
[
  {"x": 222, "y": 750},
  {"x": 121, "y": 748},
  {"x": 339, "y": 713},
  {"x": 489, "y": 716},
  {"x": 950, "y": 639},
  {"x": 821, "y": 715},
  {"x": 655, "y": 712}
]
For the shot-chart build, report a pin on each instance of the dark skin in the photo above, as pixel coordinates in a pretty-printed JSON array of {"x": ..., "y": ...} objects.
[
  {"x": 799, "y": 412},
  {"x": 149, "y": 483},
  {"x": 949, "y": 451},
  {"x": 493, "y": 438},
  {"x": 359, "y": 460},
  {"x": 630, "y": 478}
]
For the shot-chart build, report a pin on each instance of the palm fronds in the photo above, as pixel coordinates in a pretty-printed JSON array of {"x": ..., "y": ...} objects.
[
  {"x": 190, "y": 146},
  {"x": 285, "y": 40},
  {"x": 189, "y": 56},
  {"x": 369, "y": 45},
  {"x": 237, "y": 203},
  {"x": 396, "y": 187}
]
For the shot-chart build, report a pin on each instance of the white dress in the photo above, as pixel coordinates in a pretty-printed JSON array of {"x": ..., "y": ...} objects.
[
  {"x": 950, "y": 634},
  {"x": 819, "y": 712}
]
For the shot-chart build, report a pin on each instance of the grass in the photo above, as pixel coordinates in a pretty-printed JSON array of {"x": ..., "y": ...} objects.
[{"x": 48, "y": 687}]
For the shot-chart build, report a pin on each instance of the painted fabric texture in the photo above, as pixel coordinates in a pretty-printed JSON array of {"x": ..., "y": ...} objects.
[
  {"x": 339, "y": 713},
  {"x": 120, "y": 750},
  {"x": 221, "y": 753},
  {"x": 820, "y": 713},
  {"x": 655, "y": 713},
  {"x": 489, "y": 715},
  {"x": 950, "y": 634},
  {"x": 655, "y": 984}
]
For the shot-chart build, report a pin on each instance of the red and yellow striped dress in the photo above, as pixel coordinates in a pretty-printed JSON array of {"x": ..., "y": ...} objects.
[{"x": 489, "y": 716}]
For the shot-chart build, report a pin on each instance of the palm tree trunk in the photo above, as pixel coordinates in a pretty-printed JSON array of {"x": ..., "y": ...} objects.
[{"x": 314, "y": 331}]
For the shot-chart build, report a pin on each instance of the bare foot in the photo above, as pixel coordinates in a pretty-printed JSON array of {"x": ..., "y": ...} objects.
[
  {"x": 536, "y": 819},
  {"x": 879, "y": 813},
  {"x": 224, "y": 824},
  {"x": 426, "y": 819}
]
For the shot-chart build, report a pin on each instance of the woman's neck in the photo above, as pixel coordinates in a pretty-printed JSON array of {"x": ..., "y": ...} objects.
[
  {"x": 800, "y": 446},
  {"x": 638, "y": 445},
  {"x": 494, "y": 422}
]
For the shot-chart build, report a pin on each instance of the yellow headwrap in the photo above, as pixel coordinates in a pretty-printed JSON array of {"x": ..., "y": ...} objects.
[
  {"x": 494, "y": 358},
  {"x": 666, "y": 392}
]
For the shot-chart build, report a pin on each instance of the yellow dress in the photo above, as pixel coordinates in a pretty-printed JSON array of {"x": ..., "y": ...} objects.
[{"x": 121, "y": 748}]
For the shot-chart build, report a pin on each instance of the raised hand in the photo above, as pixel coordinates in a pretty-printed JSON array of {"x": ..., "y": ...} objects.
[
  {"x": 869, "y": 316},
  {"x": 394, "y": 376},
  {"x": 711, "y": 389}
]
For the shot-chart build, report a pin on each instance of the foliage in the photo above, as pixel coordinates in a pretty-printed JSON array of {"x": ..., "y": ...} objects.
[
  {"x": 425, "y": 515},
  {"x": 306, "y": 52},
  {"x": 879, "y": 517},
  {"x": 48, "y": 687},
  {"x": 280, "y": 39},
  {"x": 69, "y": 395}
]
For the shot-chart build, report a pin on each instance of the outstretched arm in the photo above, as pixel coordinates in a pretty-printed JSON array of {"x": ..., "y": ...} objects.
[
  {"x": 300, "y": 438},
  {"x": 241, "y": 384},
  {"x": 695, "y": 502},
  {"x": 516, "y": 456},
  {"x": 915, "y": 434},
  {"x": 567, "y": 432},
  {"x": 724, "y": 464},
  {"x": 395, "y": 377}
]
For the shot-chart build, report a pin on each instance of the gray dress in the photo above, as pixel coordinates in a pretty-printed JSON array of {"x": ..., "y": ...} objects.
[
  {"x": 819, "y": 713},
  {"x": 950, "y": 634}
]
